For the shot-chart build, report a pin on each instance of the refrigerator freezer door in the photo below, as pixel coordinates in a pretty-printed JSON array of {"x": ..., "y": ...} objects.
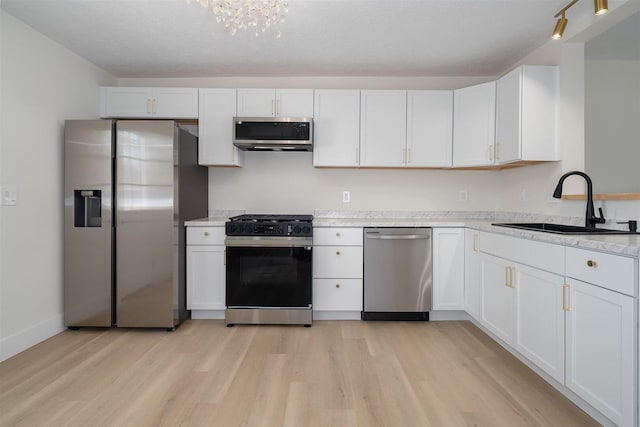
[
  {"x": 145, "y": 224},
  {"x": 88, "y": 288}
]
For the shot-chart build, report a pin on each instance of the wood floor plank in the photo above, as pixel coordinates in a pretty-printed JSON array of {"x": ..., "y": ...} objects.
[{"x": 336, "y": 373}]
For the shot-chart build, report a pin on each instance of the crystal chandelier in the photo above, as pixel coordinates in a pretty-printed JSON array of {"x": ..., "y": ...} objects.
[{"x": 258, "y": 15}]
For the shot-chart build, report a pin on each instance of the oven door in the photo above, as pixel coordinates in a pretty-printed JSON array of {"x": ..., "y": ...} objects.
[{"x": 268, "y": 272}]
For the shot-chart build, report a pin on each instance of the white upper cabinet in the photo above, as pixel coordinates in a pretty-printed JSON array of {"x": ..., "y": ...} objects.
[
  {"x": 527, "y": 115},
  {"x": 336, "y": 138},
  {"x": 429, "y": 128},
  {"x": 474, "y": 125},
  {"x": 146, "y": 102},
  {"x": 215, "y": 124},
  {"x": 275, "y": 102},
  {"x": 383, "y": 128}
]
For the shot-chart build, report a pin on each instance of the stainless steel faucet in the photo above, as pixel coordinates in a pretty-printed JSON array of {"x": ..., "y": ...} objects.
[{"x": 590, "y": 220}]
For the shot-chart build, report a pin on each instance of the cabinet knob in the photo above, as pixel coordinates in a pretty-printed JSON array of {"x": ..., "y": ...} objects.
[
  {"x": 591, "y": 263},
  {"x": 338, "y": 253},
  {"x": 338, "y": 234},
  {"x": 206, "y": 233},
  {"x": 338, "y": 285}
]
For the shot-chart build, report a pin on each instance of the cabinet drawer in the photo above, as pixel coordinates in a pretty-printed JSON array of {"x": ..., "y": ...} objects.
[
  {"x": 545, "y": 256},
  {"x": 607, "y": 270},
  {"x": 337, "y": 236},
  {"x": 205, "y": 235},
  {"x": 337, "y": 262},
  {"x": 337, "y": 294}
]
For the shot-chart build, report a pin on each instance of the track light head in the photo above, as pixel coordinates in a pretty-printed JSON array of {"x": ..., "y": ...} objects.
[
  {"x": 601, "y": 7},
  {"x": 559, "y": 29}
]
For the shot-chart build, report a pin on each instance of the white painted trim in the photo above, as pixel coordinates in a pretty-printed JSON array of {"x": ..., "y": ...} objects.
[
  {"x": 336, "y": 315},
  {"x": 20, "y": 341},
  {"x": 438, "y": 315},
  {"x": 207, "y": 314}
]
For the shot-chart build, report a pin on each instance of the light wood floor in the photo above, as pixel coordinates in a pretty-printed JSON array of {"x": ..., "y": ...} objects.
[{"x": 336, "y": 373}]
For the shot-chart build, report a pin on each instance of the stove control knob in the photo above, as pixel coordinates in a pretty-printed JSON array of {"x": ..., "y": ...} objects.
[
  {"x": 306, "y": 229},
  {"x": 296, "y": 229}
]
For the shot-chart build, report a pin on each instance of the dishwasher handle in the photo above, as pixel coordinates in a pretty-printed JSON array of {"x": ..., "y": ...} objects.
[{"x": 397, "y": 236}]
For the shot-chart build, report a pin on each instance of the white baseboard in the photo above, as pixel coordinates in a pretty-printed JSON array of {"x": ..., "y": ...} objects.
[
  {"x": 438, "y": 315},
  {"x": 336, "y": 315},
  {"x": 20, "y": 341},
  {"x": 207, "y": 314}
]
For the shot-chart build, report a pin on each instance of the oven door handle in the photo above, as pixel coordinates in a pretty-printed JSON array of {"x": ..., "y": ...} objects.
[
  {"x": 397, "y": 236},
  {"x": 274, "y": 242}
]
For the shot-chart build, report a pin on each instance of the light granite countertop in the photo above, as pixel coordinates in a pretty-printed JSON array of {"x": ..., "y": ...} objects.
[{"x": 628, "y": 245}]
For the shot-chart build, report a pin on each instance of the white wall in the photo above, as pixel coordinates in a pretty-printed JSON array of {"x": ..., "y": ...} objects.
[{"x": 42, "y": 84}]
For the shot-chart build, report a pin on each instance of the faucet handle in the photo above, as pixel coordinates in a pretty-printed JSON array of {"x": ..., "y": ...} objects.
[{"x": 601, "y": 219}]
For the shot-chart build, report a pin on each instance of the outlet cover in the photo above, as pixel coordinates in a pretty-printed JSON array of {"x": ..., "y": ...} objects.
[
  {"x": 346, "y": 197},
  {"x": 8, "y": 195},
  {"x": 463, "y": 195}
]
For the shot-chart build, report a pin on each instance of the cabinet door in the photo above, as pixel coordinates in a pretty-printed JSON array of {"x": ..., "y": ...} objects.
[
  {"x": 337, "y": 294},
  {"x": 128, "y": 102},
  {"x": 497, "y": 298},
  {"x": 205, "y": 277},
  {"x": 336, "y": 128},
  {"x": 600, "y": 349},
  {"x": 508, "y": 117},
  {"x": 429, "y": 128},
  {"x": 540, "y": 318},
  {"x": 215, "y": 141},
  {"x": 474, "y": 125},
  {"x": 175, "y": 103},
  {"x": 448, "y": 268},
  {"x": 472, "y": 273},
  {"x": 256, "y": 102},
  {"x": 383, "y": 128},
  {"x": 294, "y": 102}
]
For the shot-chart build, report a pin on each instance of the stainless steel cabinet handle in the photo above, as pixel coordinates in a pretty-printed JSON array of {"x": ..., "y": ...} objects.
[
  {"x": 397, "y": 237},
  {"x": 148, "y": 106},
  {"x": 153, "y": 106}
]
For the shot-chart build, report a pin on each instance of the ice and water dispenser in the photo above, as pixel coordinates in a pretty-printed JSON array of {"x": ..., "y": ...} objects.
[{"x": 87, "y": 208}]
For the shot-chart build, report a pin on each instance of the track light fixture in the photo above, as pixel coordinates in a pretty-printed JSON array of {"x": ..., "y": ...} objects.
[{"x": 600, "y": 8}]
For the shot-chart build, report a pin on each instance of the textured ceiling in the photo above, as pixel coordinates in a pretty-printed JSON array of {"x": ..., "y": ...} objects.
[{"x": 171, "y": 38}]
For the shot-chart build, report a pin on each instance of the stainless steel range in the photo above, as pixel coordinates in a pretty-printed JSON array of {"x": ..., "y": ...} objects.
[{"x": 268, "y": 266}]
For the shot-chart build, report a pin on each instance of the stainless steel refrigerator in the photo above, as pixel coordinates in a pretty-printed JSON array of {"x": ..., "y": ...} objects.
[{"x": 129, "y": 188}]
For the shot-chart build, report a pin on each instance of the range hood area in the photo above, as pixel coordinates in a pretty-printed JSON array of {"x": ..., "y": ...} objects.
[{"x": 273, "y": 133}]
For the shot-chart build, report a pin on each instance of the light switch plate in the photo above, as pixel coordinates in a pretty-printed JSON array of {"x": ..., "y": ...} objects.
[{"x": 8, "y": 195}]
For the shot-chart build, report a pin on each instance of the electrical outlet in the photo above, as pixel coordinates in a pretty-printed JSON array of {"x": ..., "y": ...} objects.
[
  {"x": 346, "y": 196},
  {"x": 523, "y": 195},
  {"x": 8, "y": 195},
  {"x": 463, "y": 195}
]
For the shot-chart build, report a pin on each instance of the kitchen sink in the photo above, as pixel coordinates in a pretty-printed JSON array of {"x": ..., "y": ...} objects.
[{"x": 561, "y": 228}]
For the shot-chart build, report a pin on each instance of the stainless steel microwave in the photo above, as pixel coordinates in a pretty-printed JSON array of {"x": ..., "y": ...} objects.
[{"x": 273, "y": 133}]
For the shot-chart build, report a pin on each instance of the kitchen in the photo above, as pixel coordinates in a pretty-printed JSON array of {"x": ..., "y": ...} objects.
[{"x": 32, "y": 308}]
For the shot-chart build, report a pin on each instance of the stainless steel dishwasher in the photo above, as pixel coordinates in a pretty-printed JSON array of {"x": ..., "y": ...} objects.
[{"x": 398, "y": 273}]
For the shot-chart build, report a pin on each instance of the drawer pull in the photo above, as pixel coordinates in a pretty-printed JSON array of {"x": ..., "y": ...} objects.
[
  {"x": 592, "y": 263},
  {"x": 338, "y": 253},
  {"x": 338, "y": 285},
  {"x": 206, "y": 233}
]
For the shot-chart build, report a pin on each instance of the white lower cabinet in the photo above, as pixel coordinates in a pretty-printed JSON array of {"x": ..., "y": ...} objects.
[
  {"x": 448, "y": 268},
  {"x": 472, "y": 273},
  {"x": 337, "y": 270},
  {"x": 205, "y": 268},
  {"x": 523, "y": 307},
  {"x": 579, "y": 327},
  {"x": 497, "y": 298},
  {"x": 600, "y": 360},
  {"x": 539, "y": 322}
]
